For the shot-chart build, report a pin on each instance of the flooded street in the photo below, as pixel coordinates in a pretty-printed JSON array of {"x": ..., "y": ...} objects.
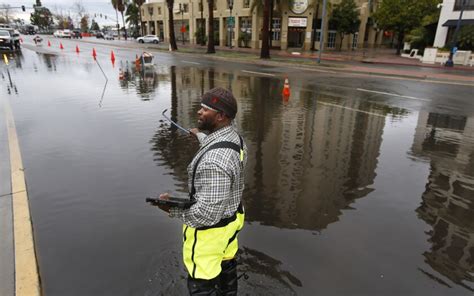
[{"x": 349, "y": 191}]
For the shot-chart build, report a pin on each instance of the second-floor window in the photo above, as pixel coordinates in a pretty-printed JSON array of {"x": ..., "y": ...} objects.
[
  {"x": 246, "y": 4},
  {"x": 159, "y": 10},
  {"x": 468, "y": 5}
]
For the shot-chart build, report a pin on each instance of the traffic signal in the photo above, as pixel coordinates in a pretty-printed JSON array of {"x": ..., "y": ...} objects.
[{"x": 23, "y": 8}]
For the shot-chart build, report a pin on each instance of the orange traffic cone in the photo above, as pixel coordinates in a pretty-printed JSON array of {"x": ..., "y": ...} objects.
[
  {"x": 49, "y": 44},
  {"x": 112, "y": 58},
  {"x": 94, "y": 54},
  {"x": 77, "y": 49},
  {"x": 137, "y": 61},
  {"x": 286, "y": 88},
  {"x": 61, "y": 45}
]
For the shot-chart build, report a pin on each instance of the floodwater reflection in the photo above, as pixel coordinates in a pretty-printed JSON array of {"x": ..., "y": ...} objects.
[
  {"x": 447, "y": 142},
  {"x": 144, "y": 80},
  {"x": 294, "y": 147}
]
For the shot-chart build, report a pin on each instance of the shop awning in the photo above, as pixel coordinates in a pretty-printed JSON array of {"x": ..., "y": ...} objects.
[{"x": 454, "y": 23}]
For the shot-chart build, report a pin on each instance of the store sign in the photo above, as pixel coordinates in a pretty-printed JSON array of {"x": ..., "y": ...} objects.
[
  {"x": 299, "y": 6},
  {"x": 297, "y": 22}
]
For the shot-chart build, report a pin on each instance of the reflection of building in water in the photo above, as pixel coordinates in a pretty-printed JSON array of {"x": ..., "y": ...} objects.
[
  {"x": 307, "y": 160},
  {"x": 317, "y": 159},
  {"x": 447, "y": 142}
]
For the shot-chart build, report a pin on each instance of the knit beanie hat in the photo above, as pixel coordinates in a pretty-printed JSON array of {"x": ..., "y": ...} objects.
[{"x": 220, "y": 99}]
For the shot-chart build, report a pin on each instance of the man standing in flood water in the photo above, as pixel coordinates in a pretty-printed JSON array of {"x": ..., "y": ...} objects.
[{"x": 216, "y": 182}]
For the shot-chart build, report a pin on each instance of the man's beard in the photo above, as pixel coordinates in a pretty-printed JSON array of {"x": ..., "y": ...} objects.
[{"x": 206, "y": 125}]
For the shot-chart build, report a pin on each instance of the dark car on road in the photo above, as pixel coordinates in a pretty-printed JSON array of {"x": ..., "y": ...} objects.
[
  {"x": 6, "y": 40},
  {"x": 99, "y": 35},
  {"x": 76, "y": 34}
]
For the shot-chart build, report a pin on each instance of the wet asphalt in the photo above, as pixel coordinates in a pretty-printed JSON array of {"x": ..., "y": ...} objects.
[{"x": 356, "y": 184}]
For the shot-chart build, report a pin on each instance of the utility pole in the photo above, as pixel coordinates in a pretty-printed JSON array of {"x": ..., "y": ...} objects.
[
  {"x": 449, "y": 62},
  {"x": 321, "y": 39}
]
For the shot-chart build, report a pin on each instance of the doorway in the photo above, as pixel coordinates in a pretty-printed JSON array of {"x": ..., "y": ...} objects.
[{"x": 296, "y": 36}]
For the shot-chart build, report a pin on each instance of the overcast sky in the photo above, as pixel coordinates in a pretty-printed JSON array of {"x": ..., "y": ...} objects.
[{"x": 92, "y": 6}]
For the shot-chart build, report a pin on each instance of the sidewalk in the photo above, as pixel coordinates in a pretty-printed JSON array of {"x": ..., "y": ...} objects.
[{"x": 381, "y": 62}]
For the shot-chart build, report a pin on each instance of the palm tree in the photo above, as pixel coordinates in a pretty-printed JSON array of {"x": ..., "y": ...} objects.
[
  {"x": 265, "y": 50},
  {"x": 121, "y": 8},
  {"x": 139, "y": 3},
  {"x": 132, "y": 17},
  {"x": 210, "y": 32},
  {"x": 115, "y": 5},
  {"x": 173, "y": 45}
]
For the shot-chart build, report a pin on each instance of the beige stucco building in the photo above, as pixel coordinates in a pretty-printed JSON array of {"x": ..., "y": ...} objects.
[{"x": 293, "y": 27}]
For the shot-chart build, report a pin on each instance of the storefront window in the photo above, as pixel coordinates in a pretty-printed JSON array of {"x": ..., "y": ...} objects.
[
  {"x": 332, "y": 39},
  {"x": 355, "y": 38},
  {"x": 276, "y": 28},
  {"x": 245, "y": 34},
  {"x": 317, "y": 37}
]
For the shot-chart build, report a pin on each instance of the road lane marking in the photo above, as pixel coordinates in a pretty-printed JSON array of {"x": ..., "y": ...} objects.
[
  {"x": 259, "y": 73},
  {"x": 27, "y": 281},
  {"x": 391, "y": 94},
  {"x": 352, "y": 109},
  {"x": 195, "y": 63}
]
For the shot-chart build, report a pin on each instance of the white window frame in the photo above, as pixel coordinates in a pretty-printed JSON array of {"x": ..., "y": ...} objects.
[
  {"x": 332, "y": 34},
  {"x": 276, "y": 29},
  {"x": 355, "y": 40}
]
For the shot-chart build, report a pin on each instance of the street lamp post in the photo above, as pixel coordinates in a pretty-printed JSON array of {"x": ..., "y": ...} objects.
[
  {"x": 181, "y": 10},
  {"x": 231, "y": 23},
  {"x": 449, "y": 62},
  {"x": 321, "y": 36}
]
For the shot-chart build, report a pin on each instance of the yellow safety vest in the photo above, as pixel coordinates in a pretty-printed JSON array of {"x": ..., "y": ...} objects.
[{"x": 205, "y": 248}]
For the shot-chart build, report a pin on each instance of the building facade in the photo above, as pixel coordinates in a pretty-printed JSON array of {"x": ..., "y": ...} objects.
[
  {"x": 448, "y": 19},
  {"x": 293, "y": 26}
]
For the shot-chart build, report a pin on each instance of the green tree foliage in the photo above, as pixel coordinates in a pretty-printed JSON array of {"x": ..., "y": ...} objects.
[
  {"x": 115, "y": 6},
  {"x": 466, "y": 37},
  {"x": 84, "y": 23},
  {"x": 133, "y": 18},
  {"x": 94, "y": 26},
  {"x": 401, "y": 16},
  {"x": 345, "y": 18},
  {"x": 41, "y": 17},
  {"x": 139, "y": 4},
  {"x": 121, "y": 8}
]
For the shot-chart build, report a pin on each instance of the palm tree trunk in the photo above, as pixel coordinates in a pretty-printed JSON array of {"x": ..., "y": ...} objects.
[
  {"x": 401, "y": 36},
  {"x": 265, "y": 50},
  {"x": 141, "y": 22},
  {"x": 210, "y": 38},
  {"x": 118, "y": 26},
  {"x": 171, "y": 25},
  {"x": 124, "y": 27}
]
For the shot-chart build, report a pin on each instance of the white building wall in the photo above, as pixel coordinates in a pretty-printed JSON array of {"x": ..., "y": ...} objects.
[{"x": 447, "y": 13}]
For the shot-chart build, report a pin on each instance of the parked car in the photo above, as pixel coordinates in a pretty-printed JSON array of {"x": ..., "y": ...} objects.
[
  {"x": 99, "y": 35},
  {"x": 76, "y": 34},
  {"x": 15, "y": 35},
  {"x": 6, "y": 40},
  {"x": 109, "y": 36},
  {"x": 148, "y": 39},
  {"x": 66, "y": 33},
  {"x": 58, "y": 33}
]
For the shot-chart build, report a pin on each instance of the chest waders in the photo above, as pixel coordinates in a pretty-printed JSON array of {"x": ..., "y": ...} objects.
[{"x": 205, "y": 248}]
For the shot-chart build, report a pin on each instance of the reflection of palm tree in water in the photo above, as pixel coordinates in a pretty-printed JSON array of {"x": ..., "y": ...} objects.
[{"x": 171, "y": 147}]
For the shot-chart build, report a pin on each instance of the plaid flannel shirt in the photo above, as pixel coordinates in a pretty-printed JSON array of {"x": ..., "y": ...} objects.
[{"x": 219, "y": 181}]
